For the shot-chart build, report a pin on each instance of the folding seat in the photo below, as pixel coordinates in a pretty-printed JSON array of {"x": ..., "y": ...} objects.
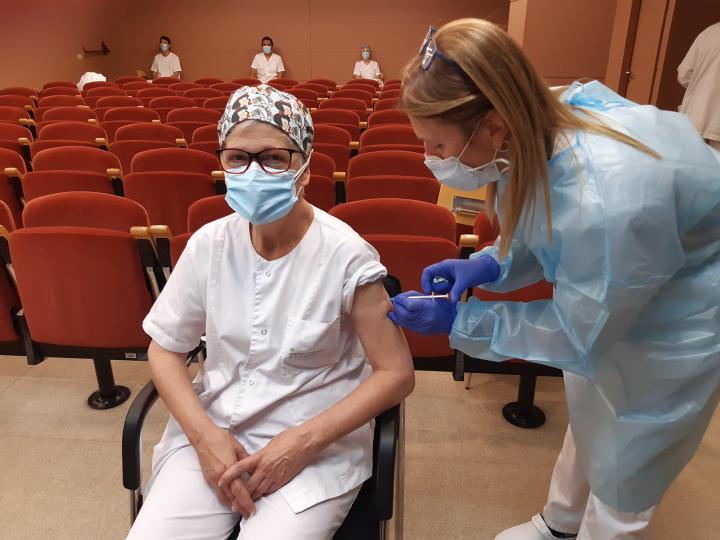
[
  {"x": 132, "y": 88},
  {"x": 126, "y": 150},
  {"x": 61, "y": 101},
  {"x": 77, "y": 158},
  {"x": 339, "y": 153},
  {"x": 200, "y": 95},
  {"x": 321, "y": 192},
  {"x": 329, "y": 134},
  {"x": 206, "y": 133},
  {"x": 23, "y": 102},
  {"x": 11, "y": 342},
  {"x": 229, "y": 87},
  {"x": 320, "y": 89},
  {"x": 41, "y": 183},
  {"x": 357, "y": 106},
  {"x": 112, "y": 126},
  {"x": 391, "y": 82},
  {"x": 205, "y": 210},
  {"x": 358, "y": 86},
  {"x": 39, "y": 146},
  {"x": 124, "y": 79},
  {"x": 327, "y": 83},
  {"x": 104, "y": 104},
  {"x": 309, "y": 98},
  {"x": 182, "y": 86},
  {"x": 208, "y": 81},
  {"x": 209, "y": 147},
  {"x": 56, "y": 84},
  {"x": 146, "y": 95},
  {"x": 367, "y": 82},
  {"x": 94, "y": 95},
  {"x": 393, "y": 186},
  {"x": 354, "y": 93},
  {"x": 286, "y": 81},
  {"x": 58, "y": 91},
  {"x": 391, "y": 93},
  {"x": 389, "y": 116},
  {"x": 73, "y": 131},
  {"x": 149, "y": 131},
  {"x": 386, "y": 104},
  {"x": 246, "y": 81},
  {"x": 175, "y": 159},
  {"x": 390, "y": 138},
  {"x": 393, "y": 162},
  {"x": 16, "y": 138},
  {"x": 19, "y": 91},
  {"x": 134, "y": 113},
  {"x": 98, "y": 84},
  {"x": 163, "y": 105},
  {"x": 12, "y": 168},
  {"x": 191, "y": 118},
  {"x": 216, "y": 103},
  {"x": 345, "y": 119},
  {"x": 167, "y": 195},
  {"x": 278, "y": 85},
  {"x": 322, "y": 165},
  {"x": 13, "y": 115},
  {"x": 88, "y": 302},
  {"x": 65, "y": 114},
  {"x": 165, "y": 81}
]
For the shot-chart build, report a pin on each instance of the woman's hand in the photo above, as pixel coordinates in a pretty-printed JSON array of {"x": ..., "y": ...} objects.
[
  {"x": 455, "y": 276},
  {"x": 217, "y": 450},
  {"x": 274, "y": 466}
]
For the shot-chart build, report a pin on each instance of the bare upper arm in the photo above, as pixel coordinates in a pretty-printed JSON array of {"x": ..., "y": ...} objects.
[{"x": 384, "y": 343}]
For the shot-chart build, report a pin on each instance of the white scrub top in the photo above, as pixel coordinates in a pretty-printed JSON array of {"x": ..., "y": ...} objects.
[
  {"x": 166, "y": 66},
  {"x": 699, "y": 72},
  {"x": 281, "y": 346},
  {"x": 371, "y": 70},
  {"x": 267, "y": 69}
]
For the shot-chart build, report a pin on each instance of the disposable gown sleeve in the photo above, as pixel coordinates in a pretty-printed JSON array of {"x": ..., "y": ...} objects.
[
  {"x": 518, "y": 269},
  {"x": 611, "y": 263}
]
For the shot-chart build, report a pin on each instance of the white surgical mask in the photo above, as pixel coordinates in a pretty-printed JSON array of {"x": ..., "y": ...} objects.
[
  {"x": 452, "y": 172},
  {"x": 267, "y": 49},
  {"x": 164, "y": 47}
]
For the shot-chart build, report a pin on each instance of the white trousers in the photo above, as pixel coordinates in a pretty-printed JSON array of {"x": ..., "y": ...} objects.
[
  {"x": 571, "y": 507},
  {"x": 182, "y": 506}
]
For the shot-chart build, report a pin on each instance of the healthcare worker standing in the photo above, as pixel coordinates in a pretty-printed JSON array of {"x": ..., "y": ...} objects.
[{"x": 615, "y": 204}]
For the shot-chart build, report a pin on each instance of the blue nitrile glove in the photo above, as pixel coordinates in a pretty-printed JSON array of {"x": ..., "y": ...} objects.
[
  {"x": 422, "y": 316},
  {"x": 455, "y": 276}
]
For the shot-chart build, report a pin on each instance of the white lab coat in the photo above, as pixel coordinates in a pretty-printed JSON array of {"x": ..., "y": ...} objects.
[
  {"x": 281, "y": 347},
  {"x": 699, "y": 73},
  {"x": 267, "y": 68}
]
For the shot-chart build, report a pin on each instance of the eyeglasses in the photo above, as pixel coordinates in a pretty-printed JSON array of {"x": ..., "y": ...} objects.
[
  {"x": 272, "y": 160},
  {"x": 429, "y": 51}
]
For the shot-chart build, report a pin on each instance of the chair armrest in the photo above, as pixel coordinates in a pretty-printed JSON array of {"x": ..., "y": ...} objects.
[
  {"x": 354, "y": 145},
  {"x": 363, "y": 125},
  {"x": 181, "y": 143},
  {"x": 12, "y": 172},
  {"x": 339, "y": 176},
  {"x": 387, "y": 431},
  {"x": 468, "y": 245},
  {"x": 161, "y": 236},
  {"x": 219, "y": 179},
  {"x": 91, "y": 121},
  {"x": 155, "y": 120},
  {"x": 23, "y": 141},
  {"x": 132, "y": 430},
  {"x": 101, "y": 141}
]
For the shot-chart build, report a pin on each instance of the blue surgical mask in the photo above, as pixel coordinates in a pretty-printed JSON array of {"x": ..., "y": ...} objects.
[
  {"x": 267, "y": 49},
  {"x": 365, "y": 55},
  {"x": 261, "y": 197},
  {"x": 456, "y": 174},
  {"x": 164, "y": 47}
]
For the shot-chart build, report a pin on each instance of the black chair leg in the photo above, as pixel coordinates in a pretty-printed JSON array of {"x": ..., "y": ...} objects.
[
  {"x": 523, "y": 412},
  {"x": 109, "y": 394}
]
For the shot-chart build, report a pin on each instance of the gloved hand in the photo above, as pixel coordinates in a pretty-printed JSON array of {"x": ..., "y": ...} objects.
[
  {"x": 457, "y": 275},
  {"x": 422, "y": 316}
]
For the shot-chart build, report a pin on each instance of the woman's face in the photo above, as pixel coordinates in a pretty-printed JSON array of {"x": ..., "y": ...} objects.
[
  {"x": 444, "y": 140},
  {"x": 363, "y": 51}
]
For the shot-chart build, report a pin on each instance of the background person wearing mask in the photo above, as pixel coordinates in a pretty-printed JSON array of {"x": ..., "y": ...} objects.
[
  {"x": 366, "y": 68},
  {"x": 699, "y": 73},
  {"x": 166, "y": 63},
  {"x": 267, "y": 65},
  {"x": 618, "y": 206}
]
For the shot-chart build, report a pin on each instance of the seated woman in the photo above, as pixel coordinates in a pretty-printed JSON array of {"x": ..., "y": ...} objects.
[
  {"x": 300, "y": 353},
  {"x": 366, "y": 68}
]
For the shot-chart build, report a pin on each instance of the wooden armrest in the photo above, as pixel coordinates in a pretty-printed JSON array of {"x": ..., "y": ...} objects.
[
  {"x": 312, "y": 109},
  {"x": 92, "y": 121},
  {"x": 375, "y": 100},
  {"x": 323, "y": 98},
  {"x": 363, "y": 125},
  {"x": 339, "y": 176},
  {"x": 12, "y": 172},
  {"x": 218, "y": 175},
  {"x": 369, "y": 110},
  {"x": 160, "y": 232},
  {"x": 82, "y": 106},
  {"x": 155, "y": 120},
  {"x": 29, "y": 108},
  {"x": 469, "y": 240},
  {"x": 142, "y": 233},
  {"x": 182, "y": 143},
  {"x": 100, "y": 141},
  {"x": 114, "y": 173},
  {"x": 23, "y": 141},
  {"x": 26, "y": 122},
  {"x": 4, "y": 233},
  {"x": 354, "y": 145}
]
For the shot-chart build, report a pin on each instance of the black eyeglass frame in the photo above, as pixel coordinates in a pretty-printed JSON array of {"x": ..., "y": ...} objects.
[{"x": 255, "y": 156}]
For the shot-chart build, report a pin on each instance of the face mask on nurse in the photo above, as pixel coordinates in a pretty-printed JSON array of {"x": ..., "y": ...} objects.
[{"x": 453, "y": 172}]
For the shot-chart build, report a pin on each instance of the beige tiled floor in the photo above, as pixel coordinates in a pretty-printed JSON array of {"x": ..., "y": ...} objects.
[{"x": 469, "y": 474}]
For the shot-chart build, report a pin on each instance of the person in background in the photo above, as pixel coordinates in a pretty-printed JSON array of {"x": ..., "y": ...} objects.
[
  {"x": 267, "y": 65},
  {"x": 166, "y": 63},
  {"x": 366, "y": 68},
  {"x": 699, "y": 73}
]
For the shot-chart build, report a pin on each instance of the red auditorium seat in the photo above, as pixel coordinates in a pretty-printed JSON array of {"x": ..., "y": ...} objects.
[
  {"x": 72, "y": 131},
  {"x": 146, "y": 95},
  {"x": 394, "y": 162},
  {"x": 183, "y": 86},
  {"x": 354, "y": 93},
  {"x": 175, "y": 159},
  {"x": 388, "y": 186},
  {"x": 41, "y": 183},
  {"x": 65, "y": 114},
  {"x": 322, "y": 165},
  {"x": 208, "y": 81},
  {"x": 348, "y": 104},
  {"x": 104, "y": 104},
  {"x": 320, "y": 89},
  {"x": 148, "y": 131},
  {"x": 60, "y": 101},
  {"x": 12, "y": 167},
  {"x": 200, "y": 95},
  {"x": 133, "y": 113},
  {"x": 19, "y": 91},
  {"x": 76, "y": 158},
  {"x": 320, "y": 192},
  {"x": 345, "y": 119},
  {"x": 327, "y": 83},
  {"x": 389, "y": 116},
  {"x": 62, "y": 84},
  {"x": 390, "y": 137},
  {"x": 127, "y": 150},
  {"x": 163, "y": 105},
  {"x": 124, "y": 79},
  {"x": 386, "y": 104}
]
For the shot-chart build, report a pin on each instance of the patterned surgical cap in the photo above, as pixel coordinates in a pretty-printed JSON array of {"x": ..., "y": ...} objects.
[{"x": 266, "y": 104}]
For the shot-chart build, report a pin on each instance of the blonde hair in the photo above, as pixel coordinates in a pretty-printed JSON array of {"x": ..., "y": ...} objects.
[{"x": 494, "y": 73}]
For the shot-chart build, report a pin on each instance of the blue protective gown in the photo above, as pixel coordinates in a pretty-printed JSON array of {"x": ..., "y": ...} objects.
[{"x": 635, "y": 261}]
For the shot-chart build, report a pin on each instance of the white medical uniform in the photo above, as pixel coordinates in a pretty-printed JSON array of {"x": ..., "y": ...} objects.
[
  {"x": 267, "y": 68},
  {"x": 281, "y": 349},
  {"x": 371, "y": 70},
  {"x": 166, "y": 66},
  {"x": 699, "y": 73}
]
